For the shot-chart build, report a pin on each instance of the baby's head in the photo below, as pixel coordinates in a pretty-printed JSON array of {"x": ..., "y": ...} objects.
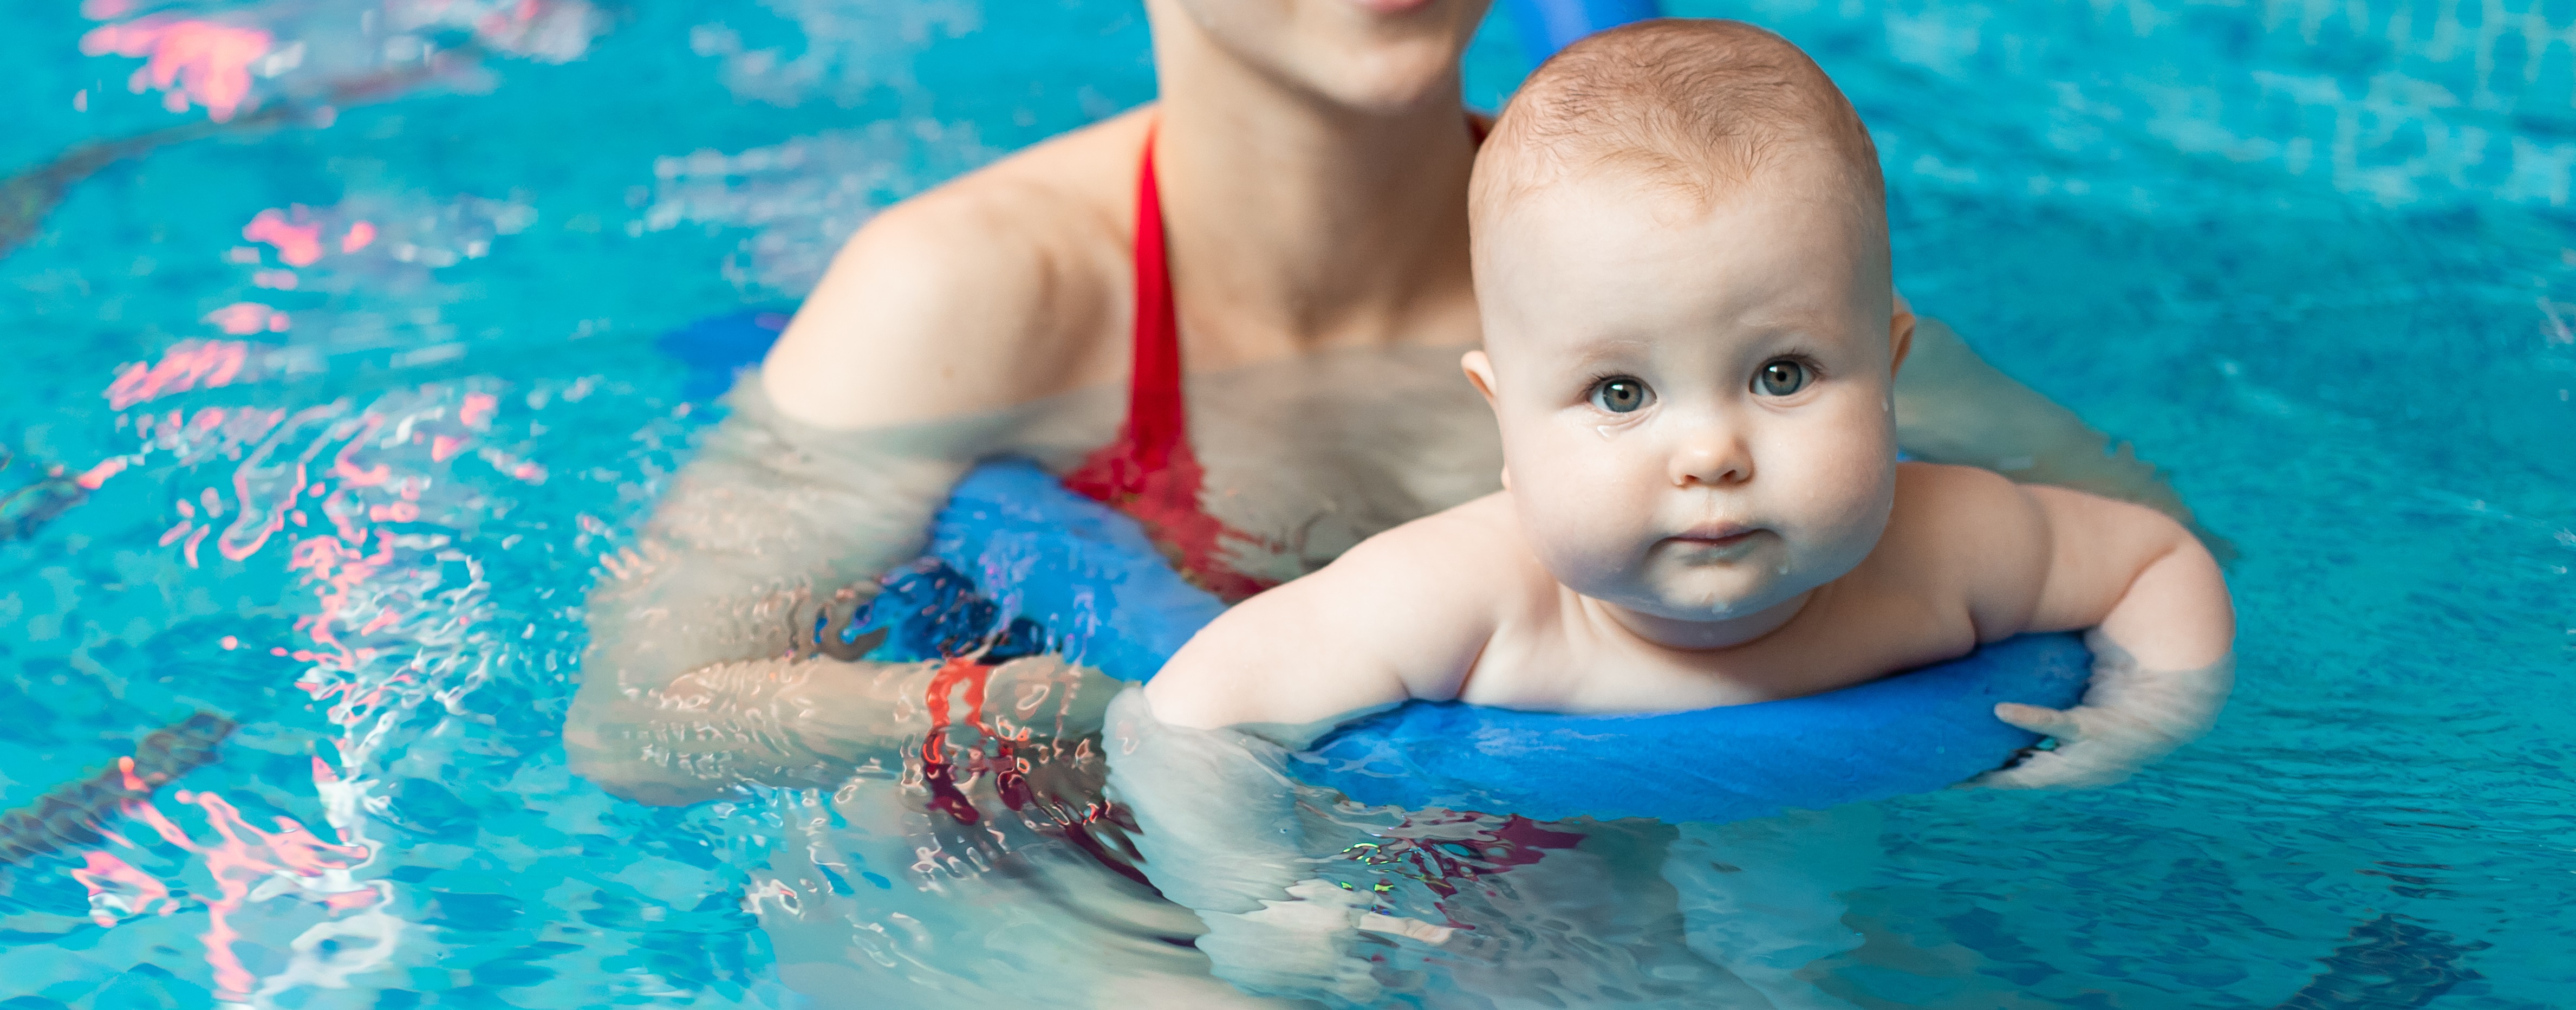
[{"x": 1690, "y": 336}]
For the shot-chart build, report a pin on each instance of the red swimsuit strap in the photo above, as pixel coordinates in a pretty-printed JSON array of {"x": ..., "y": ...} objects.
[
  {"x": 1155, "y": 412},
  {"x": 1150, "y": 471}
]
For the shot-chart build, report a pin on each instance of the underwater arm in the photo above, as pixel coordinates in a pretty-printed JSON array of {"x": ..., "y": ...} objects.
[
  {"x": 1200, "y": 754},
  {"x": 715, "y": 637},
  {"x": 1224, "y": 834},
  {"x": 2162, "y": 630},
  {"x": 715, "y": 655}
]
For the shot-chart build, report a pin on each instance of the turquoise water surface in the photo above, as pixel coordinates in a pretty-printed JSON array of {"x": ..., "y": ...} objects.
[{"x": 325, "y": 419}]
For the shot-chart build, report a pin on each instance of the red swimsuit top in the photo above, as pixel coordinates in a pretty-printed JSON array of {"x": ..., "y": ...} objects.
[{"x": 1149, "y": 472}]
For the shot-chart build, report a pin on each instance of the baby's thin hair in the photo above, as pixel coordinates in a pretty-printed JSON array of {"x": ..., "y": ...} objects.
[{"x": 1699, "y": 107}]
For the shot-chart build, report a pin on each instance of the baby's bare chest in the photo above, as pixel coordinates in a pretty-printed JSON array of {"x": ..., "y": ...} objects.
[
  {"x": 1560, "y": 677},
  {"x": 1575, "y": 667}
]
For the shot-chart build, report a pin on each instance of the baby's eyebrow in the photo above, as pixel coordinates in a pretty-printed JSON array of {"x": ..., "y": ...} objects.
[{"x": 1610, "y": 350}]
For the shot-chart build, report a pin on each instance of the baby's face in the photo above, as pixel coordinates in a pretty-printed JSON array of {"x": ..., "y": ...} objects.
[{"x": 1695, "y": 404}]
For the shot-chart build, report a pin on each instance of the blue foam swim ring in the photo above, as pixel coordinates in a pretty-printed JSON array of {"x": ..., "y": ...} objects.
[{"x": 1020, "y": 565}]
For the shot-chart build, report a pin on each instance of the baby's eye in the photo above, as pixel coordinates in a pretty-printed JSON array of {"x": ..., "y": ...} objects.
[
  {"x": 1621, "y": 394},
  {"x": 1781, "y": 378}
]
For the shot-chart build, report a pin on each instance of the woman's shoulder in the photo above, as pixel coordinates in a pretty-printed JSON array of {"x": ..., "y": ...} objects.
[
  {"x": 997, "y": 288},
  {"x": 1074, "y": 189}
]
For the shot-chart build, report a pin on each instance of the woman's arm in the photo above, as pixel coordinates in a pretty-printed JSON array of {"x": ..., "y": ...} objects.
[
  {"x": 934, "y": 343},
  {"x": 716, "y": 655},
  {"x": 704, "y": 646},
  {"x": 1229, "y": 834}
]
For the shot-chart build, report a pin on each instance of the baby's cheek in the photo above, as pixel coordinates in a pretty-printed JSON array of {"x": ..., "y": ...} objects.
[
  {"x": 1577, "y": 530},
  {"x": 1845, "y": 521}
]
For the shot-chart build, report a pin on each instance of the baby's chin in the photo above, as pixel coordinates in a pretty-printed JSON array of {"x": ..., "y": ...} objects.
[
  {"x": 1673, "y": 584},
  {"x": 1702, "y": 592},
  {"x": 1704, "y": 603}
]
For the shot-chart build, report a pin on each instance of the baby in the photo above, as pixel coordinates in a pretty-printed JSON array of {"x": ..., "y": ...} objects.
[{"x": 1691, "y": 341}]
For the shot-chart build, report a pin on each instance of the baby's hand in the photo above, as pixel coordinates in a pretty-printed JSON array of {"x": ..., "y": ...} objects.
[
  {"x": 2129, "y": 717},
  {"x": 1306, "y": 944}
]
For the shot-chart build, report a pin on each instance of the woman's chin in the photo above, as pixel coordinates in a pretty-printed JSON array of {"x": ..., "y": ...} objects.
[
  {"x": 1392, "y": 8},
  {"x": 1390, "y": 79}
]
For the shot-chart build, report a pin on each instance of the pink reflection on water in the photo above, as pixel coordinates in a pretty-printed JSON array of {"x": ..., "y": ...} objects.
[
  {"x": 344, "y": 467},
  {"x": 243, "y": 318},
  {"x": 522, "y": 470},
  {"x": 394, "y": 624},
  {"x": 298, "y": 244},
  {"x": 115, "y": 887},
  {"x": 188, "y": 364},
  {"x": 188, "y": 59},
  {"x": 477, "y": 411},
  {"x": 337, "y": 572},
  {"x": 93, "y": 477},
  {"x": 241, "y": 857},
  {"x": 265, "y": 491},
  {"x": 359, "y": 235}
]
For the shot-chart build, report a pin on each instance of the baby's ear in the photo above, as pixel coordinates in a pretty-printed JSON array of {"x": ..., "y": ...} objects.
[
  {"x": 1480, "y": 371},
  {"x": 1900, "y": 335}
]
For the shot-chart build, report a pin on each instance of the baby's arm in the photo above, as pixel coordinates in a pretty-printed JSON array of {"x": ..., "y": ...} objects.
[
  {"x": 2162, "y": 631},
  {"x": 2140, "y": 578},
  {"x": 1401, "y": 616}
]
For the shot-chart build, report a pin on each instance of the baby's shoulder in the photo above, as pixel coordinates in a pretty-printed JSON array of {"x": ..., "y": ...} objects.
[
  {"x": 1944, "y": 510},
  {"x": 1961, "y": 538},
  {"x": 1461, "y": 582},
  {"x": 1466, "y": 567},
  {"x": 1929, "y": 483},
  {"x": 1477, "y": 546}
]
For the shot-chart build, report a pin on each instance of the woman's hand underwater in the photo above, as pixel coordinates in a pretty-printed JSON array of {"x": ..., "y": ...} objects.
[{"x": 2128, "y": 719}]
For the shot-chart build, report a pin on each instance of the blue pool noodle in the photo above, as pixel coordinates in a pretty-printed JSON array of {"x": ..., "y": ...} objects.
[
  {"x": 1545, "y": 26},
  {"x": 1016, "y": 558}
]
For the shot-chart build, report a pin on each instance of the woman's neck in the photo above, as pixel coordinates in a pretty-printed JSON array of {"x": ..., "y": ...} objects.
[{"x": 1296, "y": 223}]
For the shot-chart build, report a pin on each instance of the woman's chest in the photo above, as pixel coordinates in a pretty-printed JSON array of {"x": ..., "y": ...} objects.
[{"x": 1307, "y": 461}]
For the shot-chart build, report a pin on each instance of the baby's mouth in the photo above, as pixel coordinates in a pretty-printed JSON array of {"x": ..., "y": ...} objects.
[{"x": 1716, "y": 541}]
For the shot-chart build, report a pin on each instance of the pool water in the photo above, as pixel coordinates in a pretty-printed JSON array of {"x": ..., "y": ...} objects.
[{"x": 339, "y": 387}]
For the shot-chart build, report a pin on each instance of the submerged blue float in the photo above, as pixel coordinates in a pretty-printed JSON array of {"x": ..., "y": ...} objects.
[
  {"x": 1019, "y": 564},
  {"x": 1915, "y": 732}
]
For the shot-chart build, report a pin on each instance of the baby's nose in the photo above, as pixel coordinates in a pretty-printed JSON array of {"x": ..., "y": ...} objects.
[{"x": 1712, "y": 456}]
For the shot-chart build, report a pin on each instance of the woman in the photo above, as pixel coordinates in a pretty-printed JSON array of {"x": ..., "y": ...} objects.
[{"x": 1300, "y": 188}]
